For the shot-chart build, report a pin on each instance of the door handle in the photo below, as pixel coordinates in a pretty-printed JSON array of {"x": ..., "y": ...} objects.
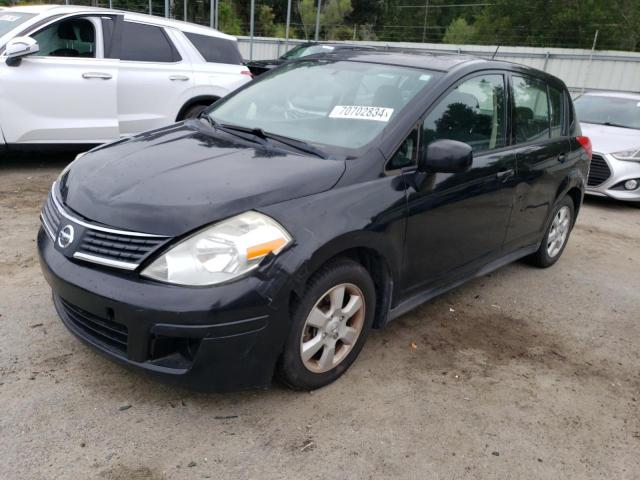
[
  {"x": 178, "y": 78},
  {"x": 100, "y": 75},
  {"x": 562, "y": 158},
  {"x": 505, "y": 175}
]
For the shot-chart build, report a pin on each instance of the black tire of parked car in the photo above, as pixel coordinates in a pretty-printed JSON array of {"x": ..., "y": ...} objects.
[
  {"x": 541, "y": 258},
  {"x": 194, "y": 111},
  {"x": 291, "y": 369}
]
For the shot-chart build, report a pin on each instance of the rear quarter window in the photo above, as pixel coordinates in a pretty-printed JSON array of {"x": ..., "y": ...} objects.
[
  {"x": 216, "y": 50},
  {"x": 146, "y": 43}
]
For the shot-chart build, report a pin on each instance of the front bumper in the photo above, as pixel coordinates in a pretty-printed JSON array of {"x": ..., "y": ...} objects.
[
  {"x": 621, "y": 171},
  {"x": 221, "y": 338}
]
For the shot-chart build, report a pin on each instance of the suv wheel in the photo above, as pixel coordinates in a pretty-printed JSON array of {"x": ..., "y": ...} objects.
[
  {"x": 194, "y": 111},
  {"x": 329, "y": 326},
  {"x": 555, "y": 239}
]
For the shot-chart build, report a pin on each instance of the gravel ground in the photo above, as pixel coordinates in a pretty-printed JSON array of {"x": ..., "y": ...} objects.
[{"x": 524, "y": 373}]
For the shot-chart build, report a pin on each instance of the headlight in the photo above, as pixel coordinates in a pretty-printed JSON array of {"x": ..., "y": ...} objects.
[
  {"x": 632, "y": 155},
  {"x": 221, "y": 252}
]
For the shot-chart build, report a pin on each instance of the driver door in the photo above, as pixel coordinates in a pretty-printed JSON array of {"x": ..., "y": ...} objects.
[{"x": 65, "y": 93}]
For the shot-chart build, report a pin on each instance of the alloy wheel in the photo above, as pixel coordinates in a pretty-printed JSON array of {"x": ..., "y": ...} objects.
[
  {"x": 332, "y": 328},
  {"x": 559, "y": 231}
]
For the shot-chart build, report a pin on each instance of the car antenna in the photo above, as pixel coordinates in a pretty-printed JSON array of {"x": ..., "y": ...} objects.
[{"x": 494, "y": 53}]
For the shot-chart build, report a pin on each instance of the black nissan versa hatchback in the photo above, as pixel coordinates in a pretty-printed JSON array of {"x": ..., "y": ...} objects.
[{"x": 332, "y": 195}]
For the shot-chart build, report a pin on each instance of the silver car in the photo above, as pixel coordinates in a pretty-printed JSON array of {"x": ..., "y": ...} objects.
[{"x": 612, "y": 121}]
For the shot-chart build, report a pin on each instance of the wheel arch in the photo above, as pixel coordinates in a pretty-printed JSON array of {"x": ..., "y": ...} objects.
[
  {"x": 198, "y": 100},
  {"x": 370, "y": 254}
]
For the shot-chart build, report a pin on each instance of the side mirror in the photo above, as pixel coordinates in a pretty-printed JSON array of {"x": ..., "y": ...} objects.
[
  {"x": 19, "y": 47},
  {"x": 446, "y": 156}
]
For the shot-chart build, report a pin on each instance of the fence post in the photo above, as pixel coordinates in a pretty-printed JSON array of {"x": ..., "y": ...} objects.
[
  {"x": 185, "y": 17},
  {"x": 211, "y": 13},
  {"x": 253, "y": 8},
  {"x": 593, "y": 47},
  {"x": 318, "y": 20},
  {"x": 286, "y": 28},
  {"x": 150, "y": 7},
  {"x": 166, "y": 8}
]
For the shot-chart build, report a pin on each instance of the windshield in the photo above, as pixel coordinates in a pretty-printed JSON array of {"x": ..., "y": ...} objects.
[
  {"x": 616, "y": 111},
  {"x": 305, "y": 50},
  {"x": 338, "y": 104},
  {"x": 10, "y": 20}
]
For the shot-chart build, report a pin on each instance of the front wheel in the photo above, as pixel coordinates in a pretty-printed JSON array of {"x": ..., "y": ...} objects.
[
  {"x": 556, "y": 236},
  {"x": 330, "y": 324}
]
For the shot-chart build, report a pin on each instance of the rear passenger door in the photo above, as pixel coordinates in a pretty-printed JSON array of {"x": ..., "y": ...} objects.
[
  {"x": 153, "y": 77},
  {"x": 540, "y": 135}
]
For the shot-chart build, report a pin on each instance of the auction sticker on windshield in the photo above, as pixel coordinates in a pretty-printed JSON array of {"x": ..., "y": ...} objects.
[{"x": 379, "y": 114}]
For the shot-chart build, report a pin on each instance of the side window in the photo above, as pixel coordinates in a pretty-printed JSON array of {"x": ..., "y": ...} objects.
[
  {"x": 146, "y": 43},
  {"x": 556, "y": 101},
  {"x": 406, "y": 153},
  {"x": 531, "y": 116},
  {"x": 472, "y": 113},
  {"x": 75, "y": 37},
  {"x": 216, "y": 50}
]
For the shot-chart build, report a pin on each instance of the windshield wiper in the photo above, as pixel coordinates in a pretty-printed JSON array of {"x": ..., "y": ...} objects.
[
  {"x": 230, "y": 128},
  {"x": 297, "y": 144},
  {"x": 291, "y": 142}
]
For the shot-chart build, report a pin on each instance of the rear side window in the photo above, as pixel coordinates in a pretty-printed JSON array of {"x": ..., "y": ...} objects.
[
  {"x": 146, "y": 43},
  {"x": 216, "y": 50},
  {"x": 556, "y": 102},
  {"x": 531, "y": 118},
  {"x": 472, "y": 113}
]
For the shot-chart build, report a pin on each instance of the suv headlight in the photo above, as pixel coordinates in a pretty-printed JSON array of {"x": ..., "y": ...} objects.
[
  {"x": 221, "y": 252},
  {"x": 632, "y": 155}
]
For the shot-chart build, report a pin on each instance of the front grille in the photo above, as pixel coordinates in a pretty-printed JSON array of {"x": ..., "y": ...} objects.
[
  {"x": 599, "y": 172},
  {"x": 100, "y": 244},
  {"x": 107, "y": 332},
  {"x": 119, "y": 247}
]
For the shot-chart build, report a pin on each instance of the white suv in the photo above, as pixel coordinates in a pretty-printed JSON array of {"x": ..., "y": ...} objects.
[{"x": 80, "y": 75}]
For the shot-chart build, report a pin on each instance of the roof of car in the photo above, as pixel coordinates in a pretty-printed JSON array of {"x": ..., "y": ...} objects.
[
  {"x": 632, "y": 96},
  {"x": 140, "y": 17},
  {"x": 418, "y": 59}
]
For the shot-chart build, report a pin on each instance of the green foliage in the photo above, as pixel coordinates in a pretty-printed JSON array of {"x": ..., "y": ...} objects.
[
  {"x": 265, "y": 21},
  {"x": 228, "y": 20},
  {"x": 307, "y": 10},
  {"x": 459, "y": 31}
]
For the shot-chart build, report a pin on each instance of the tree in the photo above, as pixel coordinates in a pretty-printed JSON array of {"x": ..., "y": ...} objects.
[
  {"x": 228, "y": 20},
  {"x": 334, "y": 13},
  {"x": 265, "y": 21},
  {"x": 307, "y": 10},
  {"x": 459, "y": 32}
]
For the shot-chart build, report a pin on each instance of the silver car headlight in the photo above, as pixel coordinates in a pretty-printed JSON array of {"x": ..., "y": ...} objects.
[
  {"x": 632, "y": 155},
  {"x": 221, "y": 252}
]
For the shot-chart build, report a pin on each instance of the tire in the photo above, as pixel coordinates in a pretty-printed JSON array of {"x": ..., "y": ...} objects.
[
  {"x": 194, "y": 111},
  {"x": 314, "y": 328},
  {"x": 549, "y": 254}
]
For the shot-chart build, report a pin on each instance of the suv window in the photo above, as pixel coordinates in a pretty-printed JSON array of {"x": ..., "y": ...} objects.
[
  {"x": 146, "y": 43},
  {"x": 472, "y": 113},
  {"x": 531, "y": 119},
  {"x": 74, "y": 37},
  {"x": 556, "y": 102},
  {"x": 216, "y": 50}
]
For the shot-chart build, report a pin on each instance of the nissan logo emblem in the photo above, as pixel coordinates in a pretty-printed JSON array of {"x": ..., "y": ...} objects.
[{"x": 65, "y": 236}]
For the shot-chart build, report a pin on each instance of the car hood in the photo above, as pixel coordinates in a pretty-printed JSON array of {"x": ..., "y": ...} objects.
[
  {"x": 266, "y": 63},
  {"x": 176, "y": 179},
  {"x": 606, "y": 139}
]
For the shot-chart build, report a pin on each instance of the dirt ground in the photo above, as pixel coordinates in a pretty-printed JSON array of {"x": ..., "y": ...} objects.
[{"x": 521, "y": 374}]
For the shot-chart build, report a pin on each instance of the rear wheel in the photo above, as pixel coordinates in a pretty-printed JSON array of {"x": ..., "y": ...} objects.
[
  {"x": 556, "y": 237},
  {"x": 329, "y": 326}
]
